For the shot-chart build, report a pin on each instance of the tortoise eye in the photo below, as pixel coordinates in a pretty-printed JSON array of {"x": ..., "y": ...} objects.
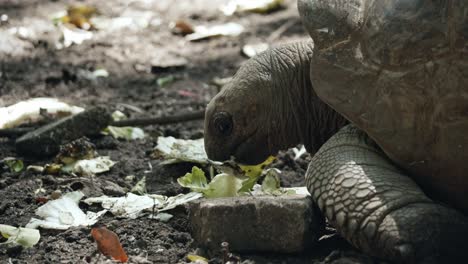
[{"x": 222, "y": 122}]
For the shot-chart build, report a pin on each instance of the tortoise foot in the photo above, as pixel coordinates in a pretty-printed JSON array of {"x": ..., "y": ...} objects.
[{"x": 380, "y": 210}]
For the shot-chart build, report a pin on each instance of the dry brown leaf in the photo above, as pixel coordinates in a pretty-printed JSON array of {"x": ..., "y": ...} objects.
[{"x": 108, "y": 244}]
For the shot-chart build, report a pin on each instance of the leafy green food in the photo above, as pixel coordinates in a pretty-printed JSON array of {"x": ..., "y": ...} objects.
[
  {"x": 256, "y": 170},
  {"x": 196, "y": 180},
  {"x": 163, "y": 81},
  {"x": 13, "y": 164},
  {"x": 26, "y": 237},
  {"x": 140, "y": 187},
  {"x": 127, "y": 133},
  {"x": 223, "y": 185},
  {"x": 271, "y": 183}
]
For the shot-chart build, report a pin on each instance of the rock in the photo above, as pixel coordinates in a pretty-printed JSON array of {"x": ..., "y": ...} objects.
[
  {"x": 46, "y": 140},
  {"x": 283, "y": 224}
]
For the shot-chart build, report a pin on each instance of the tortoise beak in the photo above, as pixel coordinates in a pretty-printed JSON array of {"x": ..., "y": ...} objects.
[{"x": 217, "y": 153}]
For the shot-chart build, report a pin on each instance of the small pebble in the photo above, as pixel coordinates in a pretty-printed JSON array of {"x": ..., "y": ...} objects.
[{"x": 56, "y": 194}]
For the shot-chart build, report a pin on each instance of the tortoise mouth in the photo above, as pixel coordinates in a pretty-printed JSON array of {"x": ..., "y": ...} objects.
[{"x": 253, "y": 150}]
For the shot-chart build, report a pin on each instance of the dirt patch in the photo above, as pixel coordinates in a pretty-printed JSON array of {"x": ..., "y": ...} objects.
[{"x": 32, "y": 65}]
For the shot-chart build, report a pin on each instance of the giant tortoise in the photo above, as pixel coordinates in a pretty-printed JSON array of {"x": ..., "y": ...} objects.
[{"x": 380, "y": 99}]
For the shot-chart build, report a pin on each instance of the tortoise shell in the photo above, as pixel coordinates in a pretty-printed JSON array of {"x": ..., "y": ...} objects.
[{"x": 398, "y": 69}]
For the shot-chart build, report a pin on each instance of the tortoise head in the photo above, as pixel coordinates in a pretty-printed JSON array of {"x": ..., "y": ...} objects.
[
  {"x": 236, "y": 119},
  {"x": 268, "y": 106}
]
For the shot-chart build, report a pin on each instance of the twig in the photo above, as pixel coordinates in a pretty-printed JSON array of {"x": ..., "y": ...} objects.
[
  {"x": 161, "y": 120},
  {"x": 164, "y": 120}
]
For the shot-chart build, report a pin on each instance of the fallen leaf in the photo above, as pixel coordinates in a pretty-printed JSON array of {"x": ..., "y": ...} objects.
[
  {"x": 64, "y": 213},
  {"x": 26, "y": 237},
  {"x": 29, "y": 111},
  {"x": 140, "y": 187},
  {"x": 197, "y": 258},
  {"x": 35, "y": 168},
  {"x": 174, "y": 201},
  {"x": 257, "y": 6},
  {"x": 129, "y": 206},
  {"x": 108, "y": 244},
  {"x": 90, "y": 167},
  {"x": 79, "y": 16},
  {"x": 178, "y": 150},
  {"x": 299, "y": 152},
  {"x": 182, "y": 27},
  {"x": 13, "y": 164},
  {"x": 163, "y": 217},
  {"x": 74, "y": 35},
  {"x": 133, "y": 206},
  {"x": 53, "y": 169},
  {"x": 204, "y": 32},
  {"x": 128, "y": 20},
  {"x": 163, "y": 81},
  {"x": 118, "y": 116},
  {"x": 127, "y": 133}
]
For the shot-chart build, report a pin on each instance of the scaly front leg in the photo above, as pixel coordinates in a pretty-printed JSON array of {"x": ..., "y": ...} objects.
[{"x": 377, "y": 208}]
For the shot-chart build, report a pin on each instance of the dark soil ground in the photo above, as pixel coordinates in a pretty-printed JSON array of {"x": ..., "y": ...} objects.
[{"x": 32, "y": 66}]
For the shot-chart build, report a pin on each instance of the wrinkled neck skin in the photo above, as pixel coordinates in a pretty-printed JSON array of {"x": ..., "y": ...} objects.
[{"x": 297, "y": 114}]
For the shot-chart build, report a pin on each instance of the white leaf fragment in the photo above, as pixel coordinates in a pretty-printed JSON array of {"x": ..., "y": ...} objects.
[
  {"x": 299, "y": 152},
  {"x": 258, "y": 6},
  {"x": 127, "y": 133},
  {"x": 74, "y": 35},
  {"x": 64, "y": 213},
  {"x": 180, "y": 150},
  {"x": 129, "y": 21},
  {"x": 29, "y": 111},
  {"x": 133, "y": 206},
  {"x": 26, "y": 237},
  {"x": 259, "y": 191},
  {"x": 174, "y": 201},
  {"x": 129, "y": 206},
  {"x": 90, "y": 167},
  {"x": 203, "y": 32}
]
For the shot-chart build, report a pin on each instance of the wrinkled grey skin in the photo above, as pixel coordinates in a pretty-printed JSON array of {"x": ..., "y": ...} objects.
[{"x": 376, "y": 205}]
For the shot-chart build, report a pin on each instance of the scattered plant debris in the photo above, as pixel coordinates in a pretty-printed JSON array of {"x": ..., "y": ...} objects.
[
  {"x": 12, "y": 164},
  {"x": 197, "y": 259},
  {"x": 26, "y": 237},
  {"x": 127, "y": 133},
  {"x": 204, "y": 32},
  {"x": 182, "y": 27},
  {"x": 29, "y": 111},
  {"x": 133, "y": 206},
  {"x": 108, "y": 244},
  {"x": 256, "y": 6},
  {"x": 64, "y": 213}
]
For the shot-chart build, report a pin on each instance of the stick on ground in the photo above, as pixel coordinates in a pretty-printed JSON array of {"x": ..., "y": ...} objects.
[{"x": 164, "y": 120}]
